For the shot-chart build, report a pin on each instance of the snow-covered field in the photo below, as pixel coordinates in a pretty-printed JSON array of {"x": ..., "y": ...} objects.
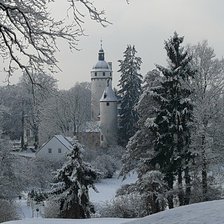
[{"x": 201, "y": 213}]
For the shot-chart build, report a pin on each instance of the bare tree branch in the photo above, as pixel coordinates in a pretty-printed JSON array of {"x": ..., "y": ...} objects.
[{"x": 28, "y": 33}]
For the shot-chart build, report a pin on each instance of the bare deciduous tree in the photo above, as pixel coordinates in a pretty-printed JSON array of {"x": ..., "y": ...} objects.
[{"x": 29, "y": 32}]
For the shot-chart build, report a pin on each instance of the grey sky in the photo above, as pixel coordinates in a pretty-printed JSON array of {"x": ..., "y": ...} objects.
[{"x": 145, "y": 24}]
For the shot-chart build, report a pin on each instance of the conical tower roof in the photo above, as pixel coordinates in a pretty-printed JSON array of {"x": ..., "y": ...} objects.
[{"x": 108, "y": 94}]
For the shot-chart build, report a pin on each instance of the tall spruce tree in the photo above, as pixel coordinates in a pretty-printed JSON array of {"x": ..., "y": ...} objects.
[
  {"x": 139, "y": 149},
  {"x": 73, "y": 181},
  {"x": 171, "y": 125},
  {"x": 130, "y": 84},
  {"x": 139, "y": 152}
]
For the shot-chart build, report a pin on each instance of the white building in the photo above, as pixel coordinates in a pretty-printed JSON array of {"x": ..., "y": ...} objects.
[
  {"x": 55, "y": 149},
  {"x": 104, "y": 101}
]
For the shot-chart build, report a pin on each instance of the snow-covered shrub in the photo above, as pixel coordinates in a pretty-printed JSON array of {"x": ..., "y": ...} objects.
[
  {"x": 10, "y": 185},
  {"x": 37, "y": 196},
  {"x": 151, "y": 191},
  {"x": 106, "y": 165},
  {"x": 124, "y": 206},
  {"x": 7, "y": 211},
  {"x": 106, "y": 160},
  {"x": 214, "y": 190},
  {"x": 52, "y": 209}
]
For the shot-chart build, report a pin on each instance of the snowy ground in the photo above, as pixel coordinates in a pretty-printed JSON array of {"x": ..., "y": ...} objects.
[
  {"x": 70, "y": 221},
  {"x": 107, "y": 189},
  {"x": 201, "y": 213}
]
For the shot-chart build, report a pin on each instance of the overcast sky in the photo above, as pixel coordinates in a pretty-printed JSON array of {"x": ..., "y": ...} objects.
[{"x": 145, "y": 24}]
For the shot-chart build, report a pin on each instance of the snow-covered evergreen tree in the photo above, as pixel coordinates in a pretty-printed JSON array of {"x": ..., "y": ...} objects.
[
  {"x": 140, "y": 148},
  {"x": 139, "y": 152},
  {"x": 72, "y": 185},
  {"x": 171, "y": 124},
  {"x": 130, "y": 90}
]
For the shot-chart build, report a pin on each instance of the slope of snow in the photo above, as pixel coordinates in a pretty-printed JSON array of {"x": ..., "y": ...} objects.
[
  {"x": 201, "y": 213},
  {"x": 70, "y": 221}
]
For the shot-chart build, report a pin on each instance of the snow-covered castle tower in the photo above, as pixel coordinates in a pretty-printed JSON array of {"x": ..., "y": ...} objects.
[
  {"x": 108, "y": 117},
  {"x": 103, "y": 100},
  {"x": 100, "y": 73}
]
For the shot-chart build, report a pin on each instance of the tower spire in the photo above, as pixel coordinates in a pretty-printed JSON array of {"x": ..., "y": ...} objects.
[
  {"x": 101, "y": 44},
  {"x": 101, "y": 52}
]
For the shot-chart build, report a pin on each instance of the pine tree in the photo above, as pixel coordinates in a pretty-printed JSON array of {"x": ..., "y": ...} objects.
[
  {"x": 72, "y": 184},
  {"x": 130, "y": 84},
  {"x": 139, "y": 152},
  {"x": 140, "y": 146},
  {"x": 171, "y": 125}
]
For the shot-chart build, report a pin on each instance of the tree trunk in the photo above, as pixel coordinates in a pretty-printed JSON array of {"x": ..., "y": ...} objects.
[
  {"x": 204, "y": 171},
  {"x": 170, "y": 186},
  {"x": 188, "y": 186},
  {"x": 36, "y": 137},
  {"x": 22, "y": 131},
  {"x": 180, "y": 188}
]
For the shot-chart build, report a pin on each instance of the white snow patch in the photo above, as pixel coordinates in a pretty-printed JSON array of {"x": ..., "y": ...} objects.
[
  {"x": 107, "y": 188},
  {"x": 70, "y": 221}
]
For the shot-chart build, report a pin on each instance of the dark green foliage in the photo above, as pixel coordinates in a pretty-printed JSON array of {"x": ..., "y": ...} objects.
[
  {"x": 71, "y": 188},
  {"x": 130, "y": 84},
  {"x": 171, "y": 125},
  {"x": 140, "y": 147}
]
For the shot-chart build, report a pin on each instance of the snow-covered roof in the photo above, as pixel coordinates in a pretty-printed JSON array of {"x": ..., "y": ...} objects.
[
  {"x": 64, "y": 141},
  {"x": 108, "y": 95},
  {"x": 25, "y": 154},
  {"x": 91, "y": 126},
  {"x": 101, "y": 65}
]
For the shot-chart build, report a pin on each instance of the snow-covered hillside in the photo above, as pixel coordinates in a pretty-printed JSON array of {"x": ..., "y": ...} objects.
[{"x": 206, "y": 213}]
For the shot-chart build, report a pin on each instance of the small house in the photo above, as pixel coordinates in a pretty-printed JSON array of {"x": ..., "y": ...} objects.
[{"x": 55, "y": 149}]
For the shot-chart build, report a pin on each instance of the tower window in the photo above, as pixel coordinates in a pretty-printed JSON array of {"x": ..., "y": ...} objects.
[
  {"x": 110, "y": 73},
  {"x": 101, "y": 137},
  {"x": 49, "y": 150},
  {"x": 59, "y": 150},
  {"x": 103, "y": 73},
  {"x": 95, "y": 73},
  {"x": 108, "y": 104}
]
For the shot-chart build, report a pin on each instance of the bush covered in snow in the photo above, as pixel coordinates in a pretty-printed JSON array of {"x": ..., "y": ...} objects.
[
  {"x": 7, "y": 211},
  {"x": 52, "y": 209},
  {"x": 214, "y": 190},
  {"x": 106, "y": 165},
  {"x": 124, "y": 206},
  {"x": 105, "y": 160}
]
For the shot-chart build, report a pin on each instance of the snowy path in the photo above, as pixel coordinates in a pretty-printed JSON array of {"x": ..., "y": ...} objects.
[
  {"x": 31, "y": 210},
  {"x": 107, "y": 188}
]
